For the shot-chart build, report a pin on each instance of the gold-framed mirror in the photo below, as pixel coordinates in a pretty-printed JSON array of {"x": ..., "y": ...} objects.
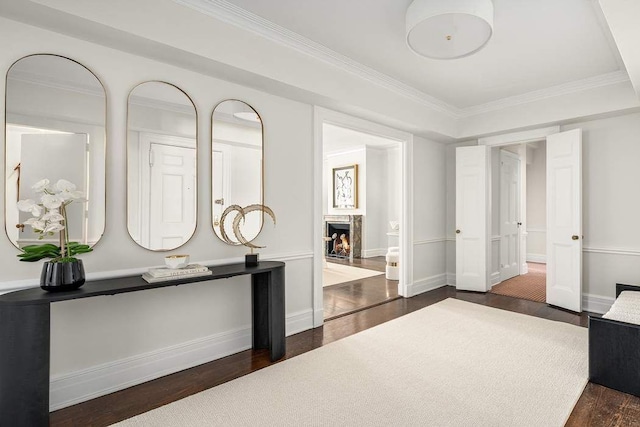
[
  {"x": 237, "y": 171},
  {"x": 162, "y": 196},
  {"x": 55, "y": 129}
]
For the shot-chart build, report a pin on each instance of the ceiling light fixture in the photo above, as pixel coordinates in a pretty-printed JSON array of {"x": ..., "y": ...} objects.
[
  {"x": 248, "y": 116},
  {"x": 449, "y": 29}
]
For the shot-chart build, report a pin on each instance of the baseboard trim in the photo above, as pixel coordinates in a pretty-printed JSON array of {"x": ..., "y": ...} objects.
[
  {"x": 495, "y": 278},
  {"x": 451, "y": 279},
  {"x": 427, "y": 284},
  {"x": 80, "y": 386},
  {"x": 539, "y": 258},
  {"x": 370, "y": 253},
  {"x": 596, "y": 303}
]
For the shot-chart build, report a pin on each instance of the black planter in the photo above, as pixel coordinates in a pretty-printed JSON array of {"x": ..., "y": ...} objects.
[{"x": 62, "y": 276}]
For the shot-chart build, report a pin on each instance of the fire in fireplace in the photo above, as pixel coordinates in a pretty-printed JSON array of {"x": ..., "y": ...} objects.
[{"x": 339, "y": 246}]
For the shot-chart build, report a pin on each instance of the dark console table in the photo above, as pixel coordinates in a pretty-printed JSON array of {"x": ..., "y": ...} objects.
[{"x": 25, "y": 332}]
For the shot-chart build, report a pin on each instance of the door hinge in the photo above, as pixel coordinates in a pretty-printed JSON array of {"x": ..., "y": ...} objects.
[{"x": 151, "y": 157}]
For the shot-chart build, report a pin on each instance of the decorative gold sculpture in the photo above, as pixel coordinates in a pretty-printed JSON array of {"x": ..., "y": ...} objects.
[{"x": 251, "y": 258}]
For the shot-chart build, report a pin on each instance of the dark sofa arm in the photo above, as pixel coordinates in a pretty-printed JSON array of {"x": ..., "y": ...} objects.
[
  {"x": 622, "y": 287},
  {"x": 614, "y": 354}
]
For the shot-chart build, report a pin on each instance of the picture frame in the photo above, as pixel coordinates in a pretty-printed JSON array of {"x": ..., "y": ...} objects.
[{"x": 345, "y": 187}]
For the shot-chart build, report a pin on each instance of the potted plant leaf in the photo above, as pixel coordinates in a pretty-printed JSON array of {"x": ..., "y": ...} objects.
[{"x": 49, "y": 217}]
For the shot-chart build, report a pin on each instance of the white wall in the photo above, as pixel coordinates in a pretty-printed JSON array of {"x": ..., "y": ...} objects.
[
  {"x": 537, "y": 203},
  {"x": 430, "y": 216},
  {"x": 374, "y": 239},
  {"x": 394, "y": 191},
  {"x": 154, "y": 332}
]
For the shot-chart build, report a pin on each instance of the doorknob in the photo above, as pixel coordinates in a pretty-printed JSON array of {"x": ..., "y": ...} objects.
[
  {"x": 574, "y": 237},
  {"x": 457, "y": 231}
]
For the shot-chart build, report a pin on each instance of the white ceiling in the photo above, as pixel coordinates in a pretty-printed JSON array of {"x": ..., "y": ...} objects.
[{"x": 537, "y": 44}]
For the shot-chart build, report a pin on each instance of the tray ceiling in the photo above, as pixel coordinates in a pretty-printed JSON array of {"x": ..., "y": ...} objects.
[{"x": 537, "y": 44}]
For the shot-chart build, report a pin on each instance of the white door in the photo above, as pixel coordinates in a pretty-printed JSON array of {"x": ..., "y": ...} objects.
[
  {"x": 472, "y": 226},
  {"x": 564, "y": 220},
  {"x": 509, "y": 215},
  {"x": 54, "y": 156},
  {"x": 172, "y": 214}
]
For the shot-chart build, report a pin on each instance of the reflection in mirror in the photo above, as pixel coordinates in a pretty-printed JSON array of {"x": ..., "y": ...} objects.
[
  {"x": 161, "y": 166},
  {"x": 55, "y": 129},
  {"x": 237, "y": 174}
]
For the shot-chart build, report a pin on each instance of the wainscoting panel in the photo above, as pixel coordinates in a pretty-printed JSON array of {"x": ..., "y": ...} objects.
[
  {"x": 429, "y": 265},
  {"x": 75, "y": 387}
]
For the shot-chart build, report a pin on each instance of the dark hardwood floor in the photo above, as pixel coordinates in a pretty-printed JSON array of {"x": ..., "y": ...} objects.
[
  {"x": 598, "y": 406},
  {"x": 349, "y": 297}
]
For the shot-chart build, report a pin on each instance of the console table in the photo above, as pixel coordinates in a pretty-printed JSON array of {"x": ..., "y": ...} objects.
[{"x": 25, "y": 332}]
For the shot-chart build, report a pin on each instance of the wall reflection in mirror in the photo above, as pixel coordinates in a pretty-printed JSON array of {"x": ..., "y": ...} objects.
[
  {"x": 54, "y": 129},
  {"x": 237, "y": 166},
  {"x": 161, "y": 166}
]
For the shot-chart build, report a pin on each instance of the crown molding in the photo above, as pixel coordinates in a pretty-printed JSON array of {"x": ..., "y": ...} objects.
[
  {"x": 239, "y": 17},
  {"x": 594, "y": 82}
]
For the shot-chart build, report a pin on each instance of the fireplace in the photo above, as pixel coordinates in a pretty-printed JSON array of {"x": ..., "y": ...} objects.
[{"x": 344, "y": 236}]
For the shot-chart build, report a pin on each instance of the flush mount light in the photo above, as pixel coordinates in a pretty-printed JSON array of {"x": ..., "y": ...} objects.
[
  {"x": 449, "y": 29},
  {"x": 246, "y": 115}
]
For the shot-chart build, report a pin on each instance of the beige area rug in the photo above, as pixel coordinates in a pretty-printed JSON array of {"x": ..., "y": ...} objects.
[
  {"x": 450, "y": 364},
  {"x": 531, "y": 286},
  {"x": 333, "y": 274}
]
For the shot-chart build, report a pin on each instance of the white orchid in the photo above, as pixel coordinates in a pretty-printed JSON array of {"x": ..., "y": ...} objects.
[
  {"x": 29, "y": 205},
  {"x": 52, "y": 216},
  {"x": 53, "y": 227},
  {"x": 51, "y": 201},
  {"x": 37, "y": 224},
  {"x": 66, "y": 196},
  {"x": 41, "y": 186},
  {"x": 49, "y": 216},
  {"x": 64, "y": 185}
]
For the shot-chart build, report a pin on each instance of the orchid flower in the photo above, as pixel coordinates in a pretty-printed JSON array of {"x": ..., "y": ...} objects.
[
  {"x": 29, "y": 205},
  {"x": 50, "y": 215},
  {"x": 40, "y": 186}
]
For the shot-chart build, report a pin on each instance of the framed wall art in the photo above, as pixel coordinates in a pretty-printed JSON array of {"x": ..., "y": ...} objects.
[{"x": 345, "y": 187}]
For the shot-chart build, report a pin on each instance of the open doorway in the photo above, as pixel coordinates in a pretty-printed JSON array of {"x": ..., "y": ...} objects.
[
  {"x": 361, "y": 211},
  {"x": 519, "y": 193}
]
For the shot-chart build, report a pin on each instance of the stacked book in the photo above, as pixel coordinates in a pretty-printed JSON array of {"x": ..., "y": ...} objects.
[{"x": 162, "y": 274}]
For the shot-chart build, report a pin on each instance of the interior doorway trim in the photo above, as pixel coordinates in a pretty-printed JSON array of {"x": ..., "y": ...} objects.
[{"x": 322, "y": 116}]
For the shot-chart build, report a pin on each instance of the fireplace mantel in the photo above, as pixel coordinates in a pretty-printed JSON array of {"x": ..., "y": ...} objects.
[{"x": 355, "y": 231}]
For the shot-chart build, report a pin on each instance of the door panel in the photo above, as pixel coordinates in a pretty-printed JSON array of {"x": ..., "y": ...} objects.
[
  {"x": 564, "y": 220},
  {"x": 472, "y": 228},
  {"x": 172, "y": 215},
  {"x": 509, "y": 215}
]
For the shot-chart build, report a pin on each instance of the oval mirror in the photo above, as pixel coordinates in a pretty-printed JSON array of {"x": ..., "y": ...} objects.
[
  {"x": 161, "y": 166},
  {"x": 237, "y": 168},
  {"x": 55, "y": 130}
]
